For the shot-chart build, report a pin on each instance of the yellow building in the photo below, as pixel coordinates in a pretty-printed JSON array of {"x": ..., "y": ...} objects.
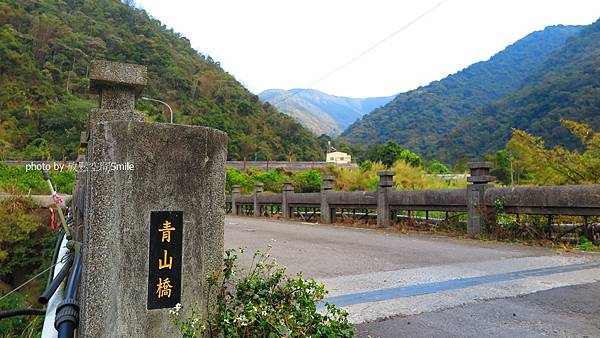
[{"x": 338, "y": 157}]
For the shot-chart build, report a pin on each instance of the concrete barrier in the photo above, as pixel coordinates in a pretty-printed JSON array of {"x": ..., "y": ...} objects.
[{"x": 171, "y": 183}]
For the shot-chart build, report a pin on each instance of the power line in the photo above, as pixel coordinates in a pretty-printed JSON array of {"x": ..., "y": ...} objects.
[
  {"x": 363, "y": 53},
  {"x": 31, "y": 279}
]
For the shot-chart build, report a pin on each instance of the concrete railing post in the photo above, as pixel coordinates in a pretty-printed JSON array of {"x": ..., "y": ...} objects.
[
  {"x": 153, "y": 220},
  {"x": 287, "y": 190},
  {"x": 258, "y": 189},
  {"x": 477, "y": 213},
  {"x": 235, "y": 194},
  {"x": 386, "y": 182},
  {"x": 327, "y": 213}
]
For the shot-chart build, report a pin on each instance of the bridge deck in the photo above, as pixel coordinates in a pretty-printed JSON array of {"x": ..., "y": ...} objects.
[{"x": 377, "y": 275}]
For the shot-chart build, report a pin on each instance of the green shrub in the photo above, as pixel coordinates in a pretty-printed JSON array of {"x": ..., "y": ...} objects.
[
  {"x": 19, "y": 326},
  {"x": 272, "y": 180},
  {"x": 26, "y": 243},
  {"x": 308, "y": 181},
  {"x": 264, "y": 302}
]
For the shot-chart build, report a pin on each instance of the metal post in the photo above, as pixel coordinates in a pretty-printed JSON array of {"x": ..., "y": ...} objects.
[{"x": 159, "y": 101}]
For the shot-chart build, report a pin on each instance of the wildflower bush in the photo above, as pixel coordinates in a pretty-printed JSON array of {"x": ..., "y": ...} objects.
[{"x": 264, "y": 302}]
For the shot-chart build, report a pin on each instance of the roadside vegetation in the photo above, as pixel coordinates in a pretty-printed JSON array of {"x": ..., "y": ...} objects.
[
  {"x": 263, "y": 301},
  {"x": 25, "y": 250},
  {"x": 17, "y": 180},
  {"x": 411, "y": 172},
  {"x": 527, "y": 161}
]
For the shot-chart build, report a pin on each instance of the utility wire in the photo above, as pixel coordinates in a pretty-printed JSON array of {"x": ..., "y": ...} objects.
[
  {"x": 363, "y": 53},
  {"x": 31, "y": 279}
]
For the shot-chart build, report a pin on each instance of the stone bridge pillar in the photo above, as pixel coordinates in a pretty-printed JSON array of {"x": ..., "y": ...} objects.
[
  {"x": 477, "y": 213},
  {"x": 153, "y": 223},
  {"x": 258, "y": 189},
  {"x": 327, "y": 213},
  {"x": 386, "y": 184},
  {"x": 287, "y": 190},
  {"x": 235, "y": 194}
]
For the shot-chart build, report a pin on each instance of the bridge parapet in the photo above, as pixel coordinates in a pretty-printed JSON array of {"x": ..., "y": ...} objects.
[{"x": 480, "y": 200}]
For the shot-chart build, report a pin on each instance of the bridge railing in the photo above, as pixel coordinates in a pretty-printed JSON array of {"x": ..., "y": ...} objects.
[{"x": 481, "y": 201}]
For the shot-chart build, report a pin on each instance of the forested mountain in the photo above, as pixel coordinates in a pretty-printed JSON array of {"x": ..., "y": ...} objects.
[
  {"x": 419, "y": 118},
  {"x": 320, "y": 112},
  {"x": 566, "y": 85},
  {"x": 45, "y": 50}
]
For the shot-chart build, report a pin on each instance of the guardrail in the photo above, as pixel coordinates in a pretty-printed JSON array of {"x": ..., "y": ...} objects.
[{"x": 480, "y": 201}]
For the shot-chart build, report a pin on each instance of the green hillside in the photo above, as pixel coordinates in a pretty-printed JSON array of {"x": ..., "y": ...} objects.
[
  {"x": 566, "y": 85},
  {"x": 46, "y": 47},
  {"x": 320, "y": 112},
  {"x": 417, "y": 119}
]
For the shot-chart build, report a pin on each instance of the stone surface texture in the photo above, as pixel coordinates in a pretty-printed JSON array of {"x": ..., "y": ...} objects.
[
  {"x": 106, "y": 74},
  {"x": 176, "y": 168}
]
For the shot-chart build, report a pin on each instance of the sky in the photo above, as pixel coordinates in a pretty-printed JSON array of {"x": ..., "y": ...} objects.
[{"x": 289, "y": 44}]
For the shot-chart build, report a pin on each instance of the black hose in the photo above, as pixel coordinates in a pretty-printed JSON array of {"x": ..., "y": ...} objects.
[
  {"x": 66, "y": 330},
  {"x": 56, "y": 251},
  {"x": 51, "y": 289},
  {"x": 73, "y": 282},
  {"x": 22, "y": 312},
  {"x": 67, "y": 312}
]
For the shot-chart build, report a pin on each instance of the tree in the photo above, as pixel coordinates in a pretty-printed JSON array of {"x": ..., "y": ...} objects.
[
  {"x": 435, "y": 167},
  {"x": 558, "y": 165},
  {"x": 391, "y": 152}
]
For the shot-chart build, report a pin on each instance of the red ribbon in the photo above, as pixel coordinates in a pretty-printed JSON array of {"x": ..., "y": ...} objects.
[{"x": 52, "y": 222}]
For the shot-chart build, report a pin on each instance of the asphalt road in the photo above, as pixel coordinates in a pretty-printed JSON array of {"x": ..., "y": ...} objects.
[
  {"x": 570, "y": 311},
  {"x": 396, "y": 285}
]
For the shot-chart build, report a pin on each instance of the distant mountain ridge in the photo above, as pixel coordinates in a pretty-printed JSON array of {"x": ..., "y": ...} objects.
[
  {"x": 565, "y": 86},
  {"x": 419, "y": 119},
  {"x": 320, "y": 112}
]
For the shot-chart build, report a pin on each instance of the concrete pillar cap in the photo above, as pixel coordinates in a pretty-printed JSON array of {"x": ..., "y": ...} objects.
[
  {"x": 287, "y": 186},
  {"x": 480, "y": 165},
  {"x": 385, "y": 173},
  {"x": 115, "y": 74}
]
